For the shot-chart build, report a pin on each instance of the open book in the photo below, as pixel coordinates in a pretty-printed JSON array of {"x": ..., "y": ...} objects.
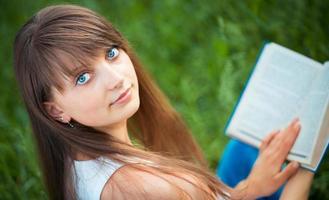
[{"x": 282, "y": 86}]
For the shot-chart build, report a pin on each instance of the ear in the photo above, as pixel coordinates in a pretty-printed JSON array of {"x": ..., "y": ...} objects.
[{"x": 56, "y": 112}]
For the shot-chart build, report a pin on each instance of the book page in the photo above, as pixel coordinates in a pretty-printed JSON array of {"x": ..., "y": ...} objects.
[
  {"x": 281, "y": 85},
  {"x": 315, "y": 105}
]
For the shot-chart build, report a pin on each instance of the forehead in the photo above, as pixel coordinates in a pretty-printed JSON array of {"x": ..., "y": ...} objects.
[{"x": 73, "y": 61}]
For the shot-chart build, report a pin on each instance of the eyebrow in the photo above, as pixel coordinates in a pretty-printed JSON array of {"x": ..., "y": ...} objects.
[
  {"x": 76, "y": 70},
  {"x": 87, "y": 64},
  {"x": 81, "y": 67}
]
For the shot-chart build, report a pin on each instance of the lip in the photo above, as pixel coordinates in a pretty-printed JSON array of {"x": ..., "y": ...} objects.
[{"x": 123, "y": 98}]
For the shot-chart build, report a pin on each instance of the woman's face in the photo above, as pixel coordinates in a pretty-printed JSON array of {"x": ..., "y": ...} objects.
[{"x": 102, "y": 97}]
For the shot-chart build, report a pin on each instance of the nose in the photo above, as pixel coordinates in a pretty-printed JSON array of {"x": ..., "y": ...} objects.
[{"x": 113, "y": 78}]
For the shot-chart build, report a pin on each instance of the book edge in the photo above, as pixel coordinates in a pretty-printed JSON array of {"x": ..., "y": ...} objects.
[{"x": 315, "y": 169}]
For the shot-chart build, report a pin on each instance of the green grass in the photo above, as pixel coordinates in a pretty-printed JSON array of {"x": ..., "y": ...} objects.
[{"x": 200, "y": 53}]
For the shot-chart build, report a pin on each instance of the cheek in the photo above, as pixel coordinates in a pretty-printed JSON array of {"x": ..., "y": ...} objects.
[
  {"x": 127, "y": 65},
  {"x": 130, "y": 72},
  {"x": 84, "y": 108}
]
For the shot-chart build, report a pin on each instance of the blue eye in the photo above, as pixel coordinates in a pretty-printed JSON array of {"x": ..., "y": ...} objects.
[
  {"x": 83, "y": 78},
  {"x": 112, "y": 53}
]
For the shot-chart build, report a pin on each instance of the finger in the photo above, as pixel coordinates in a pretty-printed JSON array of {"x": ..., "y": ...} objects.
[
  {"x": 267, "y": 140},
  {"x": 287, "y": 172},
  {"x": 287, "y": 136},
  {"x": 291, "y": 136},
  {"x": 291, "y": 130}
]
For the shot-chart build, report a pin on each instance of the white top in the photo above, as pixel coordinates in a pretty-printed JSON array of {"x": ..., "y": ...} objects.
[{"x": 91, "y": 176}]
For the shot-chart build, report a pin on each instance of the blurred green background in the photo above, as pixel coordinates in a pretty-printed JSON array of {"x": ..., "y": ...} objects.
[{"x": 199, "y": 52}]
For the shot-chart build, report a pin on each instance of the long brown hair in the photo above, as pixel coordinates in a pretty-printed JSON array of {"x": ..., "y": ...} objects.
[{"x": 46, "y": 48}]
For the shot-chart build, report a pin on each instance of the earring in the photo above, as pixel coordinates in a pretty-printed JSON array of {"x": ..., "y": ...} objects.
[{"x": 71, "y": 125}]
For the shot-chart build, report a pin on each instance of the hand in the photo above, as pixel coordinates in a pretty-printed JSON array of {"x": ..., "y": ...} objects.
[
  {"x": 298, "y": 186},
  {"x": 266, "y": 176}
]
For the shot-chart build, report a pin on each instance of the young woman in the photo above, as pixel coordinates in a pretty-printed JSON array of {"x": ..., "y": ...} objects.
[{"x": 104, "y": 130}]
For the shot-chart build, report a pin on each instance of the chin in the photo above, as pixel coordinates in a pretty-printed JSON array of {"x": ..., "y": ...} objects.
[
  {"x": 129, "y": 110},
  {"x": 133, "y": 107}
]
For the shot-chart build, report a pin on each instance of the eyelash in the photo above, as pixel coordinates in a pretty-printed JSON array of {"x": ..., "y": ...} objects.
[
  {"x": 80, "y": 75},
  {"x": 116, "y": 50}
]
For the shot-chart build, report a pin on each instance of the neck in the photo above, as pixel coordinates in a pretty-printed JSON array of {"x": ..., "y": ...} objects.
[{"x": 119, "y": 131}]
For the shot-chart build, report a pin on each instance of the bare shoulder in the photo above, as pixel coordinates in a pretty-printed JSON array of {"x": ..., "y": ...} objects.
[{"x": 129, "y": 182}]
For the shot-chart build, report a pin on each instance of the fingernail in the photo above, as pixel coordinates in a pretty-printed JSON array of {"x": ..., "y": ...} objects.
[
  {"x": 297, "y": 125},
  {"x": 295, "y": 120}
]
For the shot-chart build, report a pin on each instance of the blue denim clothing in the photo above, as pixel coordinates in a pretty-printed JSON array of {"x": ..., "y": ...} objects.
[{"x": 236, "y": 163}]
